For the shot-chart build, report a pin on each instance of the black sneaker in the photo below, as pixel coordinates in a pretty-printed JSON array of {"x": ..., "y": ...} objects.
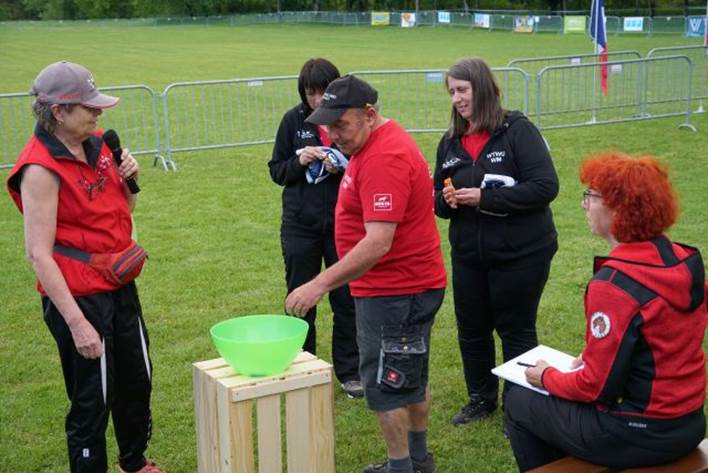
[
  {"x": 425, "y": 466},
  {"x": 377, "y": 468},
  {"x": 475, "y": 410},
  {"x": 353, "y": 389}
]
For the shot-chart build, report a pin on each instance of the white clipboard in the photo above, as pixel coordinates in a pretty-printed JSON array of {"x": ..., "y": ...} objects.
[{"x": 514, "y": 372}]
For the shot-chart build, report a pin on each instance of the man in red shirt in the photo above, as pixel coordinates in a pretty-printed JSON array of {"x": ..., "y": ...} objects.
[{"x": 389, "y": 251}]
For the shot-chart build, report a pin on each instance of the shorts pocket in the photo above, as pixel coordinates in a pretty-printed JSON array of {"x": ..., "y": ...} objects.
[{"x": 401, "y": 359}]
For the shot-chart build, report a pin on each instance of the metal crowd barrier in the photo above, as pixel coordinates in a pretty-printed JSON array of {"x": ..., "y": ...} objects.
[
  {"x": 638, "y": 89},
  {"x": 225, "y": 113},
  {"x": 699, "y": 80},
  {"x": 135, "y": 119},
  {"x": 532, "y": 65},
  {"x": 497, "y": 20}
]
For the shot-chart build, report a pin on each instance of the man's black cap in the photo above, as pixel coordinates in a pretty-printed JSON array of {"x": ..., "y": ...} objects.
[{"x": 342, "y": 94}]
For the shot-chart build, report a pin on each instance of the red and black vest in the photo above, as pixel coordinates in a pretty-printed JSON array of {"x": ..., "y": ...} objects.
[{"x": 92, "y": 213}]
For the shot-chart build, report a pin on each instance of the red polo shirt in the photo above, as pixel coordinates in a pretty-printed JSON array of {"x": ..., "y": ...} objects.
[
  {"x": 389, "y": 181},
  {"x": 92, "y": 211}
]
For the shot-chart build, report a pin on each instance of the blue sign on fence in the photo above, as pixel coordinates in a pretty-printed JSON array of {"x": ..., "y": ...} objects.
[
  {"x": 695, "y": 26},
  {"x": 434, "y": 77}
]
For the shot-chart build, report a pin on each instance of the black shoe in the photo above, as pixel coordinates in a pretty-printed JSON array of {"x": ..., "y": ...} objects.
[
  {"x": 377, "y": 468},
  {"x": 353, "y": 388},
  {"x": 475, "y": 410},
  {"x": 425, "y": 466}
]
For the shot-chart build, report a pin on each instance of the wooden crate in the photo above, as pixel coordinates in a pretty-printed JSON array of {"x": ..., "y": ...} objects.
[{"x": 224, "y": 409}]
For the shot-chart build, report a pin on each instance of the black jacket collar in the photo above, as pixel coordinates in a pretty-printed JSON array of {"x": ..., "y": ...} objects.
[{"x": 92, "y": 146}]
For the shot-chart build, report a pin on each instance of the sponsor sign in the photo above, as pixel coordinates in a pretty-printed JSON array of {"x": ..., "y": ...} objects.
[
  {"x": 696, "y": 26},
  {"x": 435, "y": 77},
  {"x": 481, "y": 20},
  {"x": 574, "y": 24},
  {"x": 443, "y": 17},
  {"x": 633, "y": 23},
  {"x": 407, "y": 20},
  {"x": 523, "y": 24},
  {"x": 380, "y": 18}
]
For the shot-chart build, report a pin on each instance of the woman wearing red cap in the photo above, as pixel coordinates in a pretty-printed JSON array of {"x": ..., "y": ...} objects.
[
  {"x": 77, "y": 208},
  {"x": 638, "y": 398}
]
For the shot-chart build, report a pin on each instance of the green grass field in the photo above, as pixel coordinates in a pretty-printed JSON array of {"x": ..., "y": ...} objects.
[{"x": 212, "y": 230}]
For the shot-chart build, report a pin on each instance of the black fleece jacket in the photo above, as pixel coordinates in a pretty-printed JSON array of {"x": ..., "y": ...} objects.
[
  {"x": 511, "y": 225},
  {"x": 307, "y": 208}
]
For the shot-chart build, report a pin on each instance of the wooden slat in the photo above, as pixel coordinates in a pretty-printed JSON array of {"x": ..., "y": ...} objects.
[
  {"x": 240, "y": 381},
  {"x": 291, "y": 383},
  {"x": 297, "y": 410},
  {"x": 235, "y": 434},
  {"x": 694, "y": 462},
  {"x": 321, "y": 429},
  {"x": 269, "y": 441},
  {"x": 206, "y": 421},
  {"x": 219, "y": 368}
]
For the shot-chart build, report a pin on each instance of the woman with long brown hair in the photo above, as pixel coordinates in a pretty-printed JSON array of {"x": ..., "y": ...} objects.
[{"x": 494, "y": 181}]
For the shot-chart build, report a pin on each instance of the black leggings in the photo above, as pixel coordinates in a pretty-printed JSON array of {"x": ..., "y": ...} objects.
[
  {"x": 544, "y": 428},
  {"x": 489, "y": 298},
  {"x": 118, "y": 383},
  {"x": 303, "y": 256}
]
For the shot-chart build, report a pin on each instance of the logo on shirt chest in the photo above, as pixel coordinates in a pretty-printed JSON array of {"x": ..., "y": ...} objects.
[
  {"x": 496, "y": 156},
  {"x": 451, "y": 162},
  {"x": 383, "y": 202},
  {"x": 304, "y": 134}
]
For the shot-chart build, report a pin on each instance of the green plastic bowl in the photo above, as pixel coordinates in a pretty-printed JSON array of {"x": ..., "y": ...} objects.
[{"x": 259, "y": 345}]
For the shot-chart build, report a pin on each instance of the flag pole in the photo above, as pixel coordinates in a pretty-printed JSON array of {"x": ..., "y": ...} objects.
[
  {"x": 705, "y": 52},
  {"x": 594, "y": 18}
]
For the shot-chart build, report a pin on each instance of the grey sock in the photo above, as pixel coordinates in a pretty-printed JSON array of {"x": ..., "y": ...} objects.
[
  {"x": 418, "y": 445},
  {"x": 400, "y": 465}
]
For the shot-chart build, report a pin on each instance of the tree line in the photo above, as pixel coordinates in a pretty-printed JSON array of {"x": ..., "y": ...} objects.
[{"x": 93, "y": 9}]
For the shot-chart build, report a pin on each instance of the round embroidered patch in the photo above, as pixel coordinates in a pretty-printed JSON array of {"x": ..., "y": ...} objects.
[{"x": 599, "y": 325}]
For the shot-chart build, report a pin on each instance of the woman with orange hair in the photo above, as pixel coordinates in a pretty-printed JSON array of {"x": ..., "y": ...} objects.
[{"x": 637, "y": 397}]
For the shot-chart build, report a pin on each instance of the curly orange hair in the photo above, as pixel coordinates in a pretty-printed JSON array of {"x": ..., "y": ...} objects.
[{"x": 637, "y": 189}]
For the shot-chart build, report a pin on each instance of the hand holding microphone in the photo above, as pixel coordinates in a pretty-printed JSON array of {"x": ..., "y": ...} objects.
[{"x": 110, "y": 137}]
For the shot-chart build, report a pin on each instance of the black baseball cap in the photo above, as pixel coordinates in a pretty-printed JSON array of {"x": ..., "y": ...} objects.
[{"x": 342, "y": 94}]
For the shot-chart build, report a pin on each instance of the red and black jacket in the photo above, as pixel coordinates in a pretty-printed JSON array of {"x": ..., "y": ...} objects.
[{"x": 646, "y": 316}]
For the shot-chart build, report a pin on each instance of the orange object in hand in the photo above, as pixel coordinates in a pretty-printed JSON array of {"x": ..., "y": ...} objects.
[{"x": 448, "y": 182}]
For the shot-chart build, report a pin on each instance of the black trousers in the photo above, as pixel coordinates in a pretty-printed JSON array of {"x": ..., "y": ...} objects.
[
  {"x": 489, "y": 298},
  {"x": 118, "y": 383},
  {"x": 543, "y": 429},
  {"x": 303, "y": 255}
]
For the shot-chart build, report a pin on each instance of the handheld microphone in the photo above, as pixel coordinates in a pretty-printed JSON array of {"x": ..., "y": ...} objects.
[{"x": 110, "y": 137}]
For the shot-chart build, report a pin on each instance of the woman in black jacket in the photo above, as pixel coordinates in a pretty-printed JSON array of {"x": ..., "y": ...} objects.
[
  {"x": 494, "y": 180},
  {"x": 307, "y": 229}
]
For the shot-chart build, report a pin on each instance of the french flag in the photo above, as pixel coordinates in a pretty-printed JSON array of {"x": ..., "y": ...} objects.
[{"x": 599, "y": 36}]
